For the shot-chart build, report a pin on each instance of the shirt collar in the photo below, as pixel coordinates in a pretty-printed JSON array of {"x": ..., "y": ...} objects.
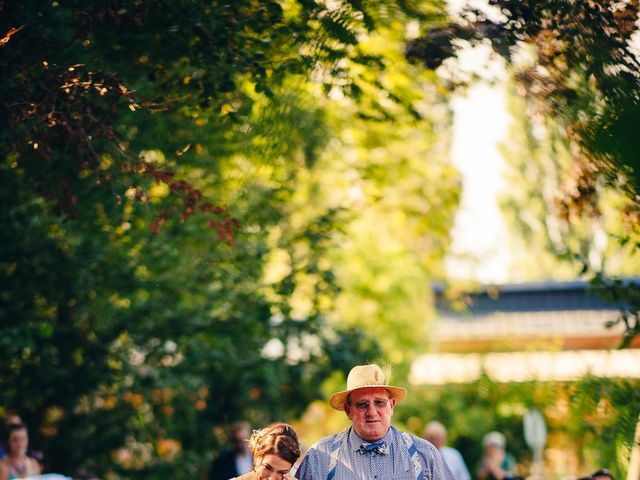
[
  {"x": 398, "y": 449},
  {"x": 355, "y": 440}
]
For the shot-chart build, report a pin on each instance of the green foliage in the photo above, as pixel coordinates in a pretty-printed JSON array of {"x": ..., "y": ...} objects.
[
  {"x": 168, "y": 260},
  {"x": 627, "y": 291},
  {"x": 114, "y": 314},
  {"x": 585, "y": 73},
  {"x": 566, "y": 238},
  {"x": 577, "y": 75},
  {"x": 402, "y": 204}
]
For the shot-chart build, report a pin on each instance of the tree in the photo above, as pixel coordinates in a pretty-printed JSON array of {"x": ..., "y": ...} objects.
[
  {"x": 392, "y": 176},
  {"x": 539, "y": 165},
  {"x": 151, "y": 172},
  {"x": 585, "y": 73}
]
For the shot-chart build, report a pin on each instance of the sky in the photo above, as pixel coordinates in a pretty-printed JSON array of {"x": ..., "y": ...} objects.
[{"x": 480, "y": 248}]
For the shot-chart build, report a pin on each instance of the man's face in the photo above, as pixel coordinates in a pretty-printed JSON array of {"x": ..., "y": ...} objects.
[
  {"x": 370, "y": 411},
  {"x": 494, "y": 453}
]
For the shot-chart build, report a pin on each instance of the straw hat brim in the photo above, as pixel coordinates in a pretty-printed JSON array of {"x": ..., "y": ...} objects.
[{"x": 339, "y": 399}]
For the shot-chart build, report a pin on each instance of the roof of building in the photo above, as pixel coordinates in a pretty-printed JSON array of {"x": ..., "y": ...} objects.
[
  {"x": 529, "y": 297},
  {"x": 546, "y": 310}
]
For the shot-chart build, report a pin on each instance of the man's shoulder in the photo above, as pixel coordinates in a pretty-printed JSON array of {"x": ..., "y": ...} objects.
[{"x": 317, "y": 459}]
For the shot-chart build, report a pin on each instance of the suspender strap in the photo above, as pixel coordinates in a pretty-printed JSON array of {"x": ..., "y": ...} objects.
[
  {"x": 413, "y": 456},
  {"x": 335, "y": 450}
]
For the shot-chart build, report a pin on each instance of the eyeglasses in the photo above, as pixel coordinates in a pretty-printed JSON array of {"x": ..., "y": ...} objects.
[
  {"x": 378, "y": 403},
  {"x": 272, "y": 473}
]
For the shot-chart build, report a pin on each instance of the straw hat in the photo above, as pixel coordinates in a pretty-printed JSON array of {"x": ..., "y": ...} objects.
[{"x": 366, "y": 376}]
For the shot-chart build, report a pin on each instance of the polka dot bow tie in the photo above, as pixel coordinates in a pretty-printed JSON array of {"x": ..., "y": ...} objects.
[{"x": 380, "y": 447}]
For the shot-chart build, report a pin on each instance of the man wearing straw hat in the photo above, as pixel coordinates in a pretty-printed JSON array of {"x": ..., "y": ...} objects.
[{"x": 371, "y": 448}]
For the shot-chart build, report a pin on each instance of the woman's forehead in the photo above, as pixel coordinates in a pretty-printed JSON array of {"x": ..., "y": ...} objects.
[
  {"x": 21, "y": 433},
  {"x": 276, "y": 462}
]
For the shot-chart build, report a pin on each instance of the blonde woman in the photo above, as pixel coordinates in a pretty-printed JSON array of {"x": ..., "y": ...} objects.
[{"x": 275, "y": 450}]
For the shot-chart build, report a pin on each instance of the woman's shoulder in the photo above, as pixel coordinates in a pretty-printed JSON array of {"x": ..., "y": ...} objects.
[{"x": 34, "y": 465}]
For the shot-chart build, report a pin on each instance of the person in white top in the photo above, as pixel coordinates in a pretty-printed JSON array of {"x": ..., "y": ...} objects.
[{"x": 435, "y": 433}]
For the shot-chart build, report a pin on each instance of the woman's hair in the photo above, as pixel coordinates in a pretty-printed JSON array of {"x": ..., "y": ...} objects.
[{"x": 277, "y": 439}]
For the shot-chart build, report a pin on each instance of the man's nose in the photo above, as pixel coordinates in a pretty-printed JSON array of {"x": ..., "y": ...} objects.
[{"x": 371, "y": 408}]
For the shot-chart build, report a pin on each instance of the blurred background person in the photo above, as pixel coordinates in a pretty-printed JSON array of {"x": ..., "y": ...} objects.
[
  {"x": 275, "y": 450},
  {"x": 16, "y": 464},
  {"x": 236, "y": 459},
  {"x": 436, "y": 433},
  {"x": 497, "y": 463},
  {"x": 9, "y": 419}
]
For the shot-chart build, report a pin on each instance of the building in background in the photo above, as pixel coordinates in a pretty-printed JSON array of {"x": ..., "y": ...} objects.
[{"x": 519, "y": 332}]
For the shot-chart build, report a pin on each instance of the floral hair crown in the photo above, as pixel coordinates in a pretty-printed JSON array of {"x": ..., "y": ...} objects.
[{"x": 257, "y": 436}]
